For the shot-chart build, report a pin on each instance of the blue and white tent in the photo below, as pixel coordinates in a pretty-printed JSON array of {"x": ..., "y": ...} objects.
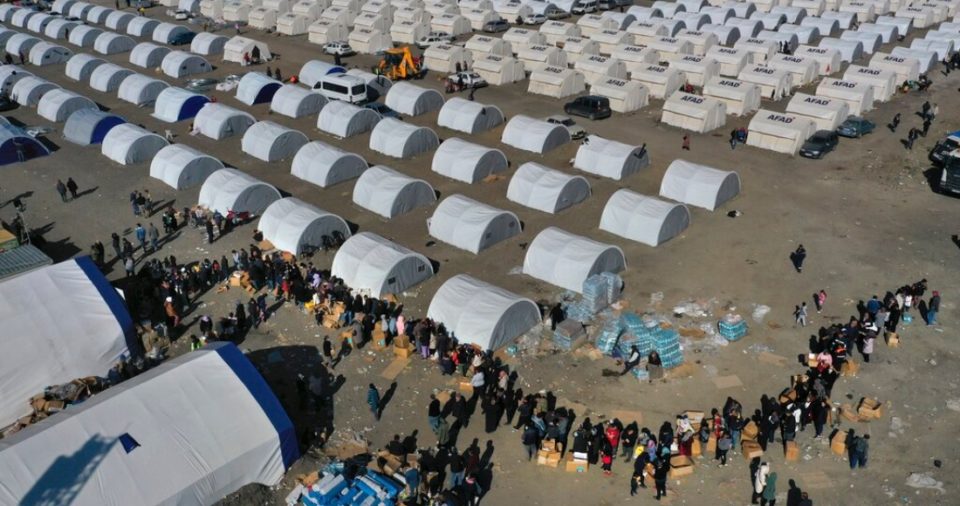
[{"x": 16, "y": 145}]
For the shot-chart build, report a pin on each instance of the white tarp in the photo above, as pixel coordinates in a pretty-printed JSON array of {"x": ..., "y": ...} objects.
[
  {"x": 740, "y": 98},
  {"x": 857, "y": 94},
  {"x": 661, "y": 81},
  {"x": 467, "y": 162},
  {"x": 218, "y": 121},
  {"x": 372, "y": 264},
  {"x": 58, "y": 104},
  {"x": 624, "y": 96},
  {"x": 468, "y": 116},
  {"x": 140, "y": 90},
  {"x": 181, "y": 166},
  {"x": 780, "y": 132},
  {"x": 644, "y": 219},
  {"x": 557, "y": 82},
  {"x": 399, "y": 139},
  {"x": 545, "y": 189},
  {"x": 699, "y": 185},
  {"x": 884, "y": 82},
  {"x": 231, "y": 190},
  {"x": 128, "y": 144},
  {"x": 610, "y": 159},
  {"x": 389, "y": 193},
  {"x": 325, "y": 165},
  {"x": 499, "y": 70},
  {"x": 803, "y": 70},
  {"x": 567, "y": 260},
  {"x": 529, "y": 134},
  {"x": 293, "y": 225},
  {"x": 827, "y": 113},
  {"x": 345, "y": 120},
  {"x": 296, "y": 101},
  {"x": 774, "y": 83},
  {"x": 470, "y": 225},
  {"x": 271, "y": 142},
  {"x": 60, "y": 322},
  {"x": 692, "y": 112},
  {"x": 413, "y": 100},
  {"x": 482, "y": 314}
]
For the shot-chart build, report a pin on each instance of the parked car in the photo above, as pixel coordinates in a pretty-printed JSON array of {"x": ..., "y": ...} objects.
[
  {"x": 434, "y": 38},
  {"x": 181, "y": 15},
  {"x": 576, "y": 131},
  {"x": 592, "y": 107},
  {"x": 819, "y": 144},
  {"x": 182, "y": 39},
  {"x": 534, "y": 19},
  {"x": 855, "y": 126},
  {"x": 557, "y": 14},
  {"x": 584, "y": 7},
  {"x": 469, "y": 79},
  {"x": 383, "y": 110},
  {"x": 496, "y": 26},
  {"x": 606, "y": 5},
  {"x": 941, "y": 151},
  {"x": 339, "y": 47},
  {"x": 202, "y": 84}
]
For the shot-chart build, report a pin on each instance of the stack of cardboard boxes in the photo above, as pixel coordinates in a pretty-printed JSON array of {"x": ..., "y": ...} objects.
[
  {"x": 402, "y": 347},
  {"x": 548, "y": 455},
  {"x": 892, "y": 339},
  {"x": 241, "y": 279},
  {"x": 838, "y": 443},
  {"x": 577, "y": 463},
  {"x": 751, "y": 448},
  {"x": 680, "y": 465}
]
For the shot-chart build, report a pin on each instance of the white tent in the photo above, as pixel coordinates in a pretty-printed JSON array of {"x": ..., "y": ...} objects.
[
  {"x": 21, "y": 17},
  {"x": 850, "y": 50},
  {"x": 235, "y": 11},
  {"x": 871, "y": 41},
  {"x": 670, "y": 48},
  {"x": 179, "y": 64},
  {"x": 828, "y": 60},
  {"x": 369, "y": 41},
  {"x": 643, "y": 219},
  {"x": 389, "y": 193},
  {"x": 325, "y": 165},
  {"x": 377, "y": 85},
  {"x": 481, "y": 45},
  {"x": 293, "y": 225},
  {"x": 383, "y": 8},
  {"x": 923, "y": 17},
  {"x": 315, "y": 70},
  {"x": 9, "y": 75},
  {"x": 718, "y": 14},
  {"x": 478, "y": 18},
  {"x": 812, "y": 7},
  {"x": 907, "y": 68},
  {"x": 410, "y": 10},
  {"x": 148, "y": 55},
  {"x": 237, "y": 46},
  {"x": 697, "y": 69},
  {"x": 176, "y": 104},
  {"x": 5, "y": 34},
  {"x": 446, "y": 58},
  {"x": 537, "y": 136},
  {"x": 29, "y": 90},
  {"x": 741, "y": 9},
  {"x": 780, "y": 132},
  {"x": 825, "y": 27},
  {"x": 642, "y": 13},
  {"x": 339, "y": 15},
  {"x": 794, "y": 14},
  {"x": 218, "y": 121},
  {"x": 774, "y": 83},
  {"x": 599, "y": 68},
  {"x": 760, "y": 50},
  {"x": 538, "y": 56},
  {"x": 467, "y": 162},
  {"x": 413, "y": 100},
  {"x": 951, "y": 36},
  {"x": 142, "y": 27},
  {"x": 826, "y": 113},
  {"x": 292, "y": 23},
  {"x": 89, "y": 126},
  {"x": 38, "y": 23},
  {"x": 256, "y": 88},
  {"x": 557, "y": 82},
  {"x": 80, "y": 10},
  {"x": 271, "y": 142},
  {"x": 611, "y": 39},
  {"x": 802, "y": 69},
  {"x": 782, "y": 39},
  {"x": 590, "y": 24},
  {"x": 556, "y": 31},
  {"x": 43, "y": 311},
  {"x": 296, "y": 101},
  {"x": 81, "y": 65},
  {"x": 846, "y": 19},
  {"x": 113, "y": 43},
  {"x": 128, "y": 144},
  {"x": 346, "y": 120},
  {"x": 59, "y": 28},
  {"x": 85, "y": 36},
  {"x": 454, "y": 24},
  {"x": 644, "y": 32},
  {"x": 865, "y": 12},
  {"x": 610, "y": 159},
  {"x": 661, "y": 81},
  {"x": 578, "y": 47},
  {"x": 903, "y": 24},
  {"x": 262, "y": 18},
  {"x": 398, "y": 139},
  {"x": 567, "y": 260},
  {"x": 804, "y": 34},
  {"x": 469, "y": 117},
  {"x": 887, "y": 33},
  {"x": 747, "y": 28},
  {"x": 499, "y": 70},
  {"x": 692, "y": 112},
  {"x": 58, "y": 104},
  {"x": 181, "y": 166},
  {"x": 884, "y": 82},
  {"x": 740, "y": 98},
  {"x": 481, "y": 314},
  {"x": 635, "y": 57},
  {"x": 692, "y": 20},
  {"x": 408, "y": 31},
  {"x": 731, "y": 60},
  {"x": 141, "y": 90},
  {"x": 624, "y": 96},
  {"x": 62, "y": 6},
  {"x": 470, "y": 225},
  {"x": 669, "y": 9},
  {"x": 941, "y": 49},
  {"x": 702, "y": 41},
  {"x": 231, "y": 190},
  {"x": 167, "y": 33},
  {"x": 857, "y": 94},
  {"x": 369, "y": 263},
  {"x": 324, "y": 31},
  {"x": 699, "y": 185},
  {"x": 21, "y": 43},
  {"x": 545, "y": 189},
  {"x": 118, "y": 20},
  {"x": 208, "y": 44}
]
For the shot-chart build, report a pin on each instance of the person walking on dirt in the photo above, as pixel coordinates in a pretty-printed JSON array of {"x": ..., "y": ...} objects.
[
  {"x": 62, "y": 190},
  {"x": 933, "y": 307},
  {"x": 685, "y": 145},
  {"x": 72, "y": 188},
  {"x": 800, "y": 313},
  {"x": 797, "y": 257},
  {"x": 819, "y": 299},
  {"x": 895, "y": 123},
  {"x": 373, "y": 400}
]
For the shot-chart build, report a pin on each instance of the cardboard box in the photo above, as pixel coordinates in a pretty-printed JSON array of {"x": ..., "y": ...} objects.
[
  {"x": 466, "y": 388},
  {"x": 576, "y": 465},
  {"x": 750, "y": 431},
  {"x": 400, "y": 351},
  {"x": 712, "y": 444},
  {"x": 791, "y": 451},
  {"x": 892, "y": 339},
  {"x": 848, "y": 413},
  {"x": 544, "y": 453},
  {"x": 553, "y": 460},
  {"x": 680, "y": 465},
  {"x": 870, "y": 409},
  {"x": 235, "y": 279},
  {"x": 695, "y": 449},
  {"x": 751, "y": 449},
  {"x": 838, "y": 443},
  {"x": 849, "y": 368},
  {"x": 331, "y": 322},
  {"x": 695, "y": 417},
  {"x": 548, "y": 445},
  {"x": 401, "y": 341},
  {"x": 811, "y": 359},
  {"x": 788, "y": 396},
  {"x": 443, "y": 396},
  {"x": 798, "y": 379}
]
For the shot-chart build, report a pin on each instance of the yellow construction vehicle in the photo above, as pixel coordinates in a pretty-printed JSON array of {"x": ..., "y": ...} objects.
[{"x": 397, "y": 63}]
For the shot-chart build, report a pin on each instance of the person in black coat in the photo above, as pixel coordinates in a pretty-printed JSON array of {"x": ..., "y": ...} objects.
[
  {"x": 493, "y": 410},
  {"x": 638, "y": 478},
  {"x": 661, "y": 469}
]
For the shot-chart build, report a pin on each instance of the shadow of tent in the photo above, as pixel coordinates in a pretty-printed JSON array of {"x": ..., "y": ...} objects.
[{"x": 64, "y": 479}]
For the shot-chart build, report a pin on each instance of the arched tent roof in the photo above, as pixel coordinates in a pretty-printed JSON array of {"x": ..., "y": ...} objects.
[
  {"x": 370, "y": 263},
  {"x": 567, "y": 260},
  {"x": 182, "y": 64},
  {"x": 21, "y": 17},
  {"x": 21, "y": 43},
  {"x": 38, "y": 23},
  {"x": 470, "y": 225},
  {"x": 107, "y": 77},
  {"x": 256, "y": 88},
  {"x": 529, "y": 134},
  {"x": 79, "y": 10},
  {"x": 177, "y": 104},
  {"x": 325, "y": 165},
  {"x": 83, "y": 299},
  {"x": 481, "y": 314},
  {"x": 89, "y": 126},
  {"x": 9, "y": 75},
  {"x": 644, "y": 219},
  {"x": 545, "y": 189},
  {"x": 207, "y": 44},
  {"x": 181, "y": 167},
  {"x": 296, "y": 101},
  {"x": 231, "y": 190},
  {"x": 165, "y": 33},
  {"x": 612, "y": 159},
  {"x": 128, "y": 144},
  {"x": 96, "y": 14},
  {"x": 113, "y": 43},
  {"x": 468, "y": 116},
  {"x": 192, "y": 6},
  {"x": 346, "y": 120},
  {"x": 45, "y": 53},
  {"x": 235, "y": 48},
  {"x": 398, "y": 139},
  {"x": 148, "y": 55},
  {"x": 218, "y": 121},
  {"x": 30, "y": 89},
  {"x": 5, "y": 34},
  {"x": 141, "y": 90},
  {"x": 17, "y": 145},
  {"x": 467, "y": 162},
  {"x": 699, "y": 185},
  {"x": 7, "y": 11},
  {"x": 142, "y": 26},
  {"x": 119, "y": 20},
  {"x": 389, "y": 193},
  {"x": 62, "y": 6},
  {"x": 81, "y": 65},
  {"x": 413, "y": 100},
  {"x": 58, "y": 28},
  {"x": 57, "y": 105},
  {"x": 292, "y": 225},
  {"x": 270, "y": 142},
  {"x": 224, "y": 415}
]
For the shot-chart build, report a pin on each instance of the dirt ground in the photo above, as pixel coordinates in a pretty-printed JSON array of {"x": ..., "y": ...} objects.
[{"x": 866, "y": 215}]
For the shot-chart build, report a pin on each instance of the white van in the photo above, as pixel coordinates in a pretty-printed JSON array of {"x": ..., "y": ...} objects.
[
  {"x": 584, "y": 7},
  {"x": 343, "y": 87}
]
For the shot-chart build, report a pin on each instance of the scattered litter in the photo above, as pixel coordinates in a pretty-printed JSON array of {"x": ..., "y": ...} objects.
[
  {"x": 758, "y": 348},
  {"x": 953, "y": 404},
  {"x": 924, "y": 480},
  {"x": 759, "y": 312},
  {"x": 656, "y": 298}
]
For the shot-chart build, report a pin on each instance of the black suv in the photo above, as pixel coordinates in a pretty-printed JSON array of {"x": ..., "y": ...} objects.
[{"x": 591, "y": 107}]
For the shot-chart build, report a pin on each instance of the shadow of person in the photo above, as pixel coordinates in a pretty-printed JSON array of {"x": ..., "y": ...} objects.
[{"x": 387, "y": 397}]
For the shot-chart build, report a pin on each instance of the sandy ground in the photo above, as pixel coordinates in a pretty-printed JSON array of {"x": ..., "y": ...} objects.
[{"x": 866, "y": 215}]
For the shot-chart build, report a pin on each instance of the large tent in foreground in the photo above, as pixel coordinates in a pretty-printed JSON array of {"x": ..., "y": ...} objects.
[
  {"x": 470, "y": 225},
  {"x": 218, "y": 121},
  {"x": 783, "y": 132},
  {"x": 345, "y": 120},
  {"x": 644, "y": 219},
  {"x": 400, "y": 139},
  {"x": 467, "y": 162},
  {"x": 699, "y": 185},
  {"x": 369, "y": 263},
  {"x": 567, "y": 260},
  {"x": 181, "y": 166},
  {"x": 136, "y": 443},
  {"x": 612, "y": 159},
  {"x": 231, "y": 190},
  {"x": 128, "y": 144},
  {"x": 294, "y": 226},
  {"x": 44, "y": 311},
  {"x": 413, "y": 100},
  {"x": 468, "y": 116},
  {"x": 16, "y": 145},
  {"x": 390, "y": 193},
  {"x": 482, "y": 314},
  {"x": 89, "y": 126},
  {"x": 271, "y": 142}
]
